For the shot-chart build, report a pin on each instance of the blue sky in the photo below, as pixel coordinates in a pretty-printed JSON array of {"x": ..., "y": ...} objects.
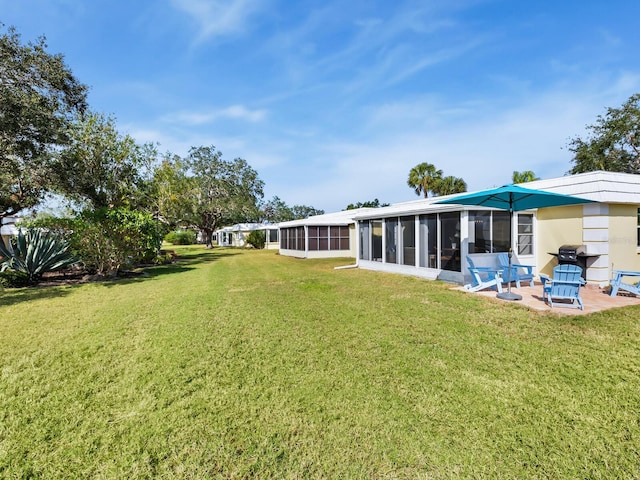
[{"x": 333, "y": 102}]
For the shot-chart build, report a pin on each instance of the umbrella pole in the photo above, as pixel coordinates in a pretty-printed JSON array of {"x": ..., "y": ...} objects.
[{"x": 508, "y": 295}]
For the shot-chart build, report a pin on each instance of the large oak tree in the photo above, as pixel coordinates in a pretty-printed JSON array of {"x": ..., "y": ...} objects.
[
  {"x": 101, "y": 167},
  {"x": 204, "y": 191},
  {"x": 39, "y": 99},
  {"x": 613, "y": 142}
]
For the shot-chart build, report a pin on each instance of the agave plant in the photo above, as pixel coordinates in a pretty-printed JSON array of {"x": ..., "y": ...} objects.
[{"x": 35, "y": 253}]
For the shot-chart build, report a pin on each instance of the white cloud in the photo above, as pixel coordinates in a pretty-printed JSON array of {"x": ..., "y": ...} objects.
[
  {"x": 219, "y": 17},
  {"x": 480, "y": 142},
  {"x": 236, "y": 112}
]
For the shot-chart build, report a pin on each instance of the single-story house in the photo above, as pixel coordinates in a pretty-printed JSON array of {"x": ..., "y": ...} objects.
[
  {"x": 321, "y": 236},
  {"x": 235, "y": 235},
  {"x": 8, "y": 229},
  {"x": 430, "y": 240}
]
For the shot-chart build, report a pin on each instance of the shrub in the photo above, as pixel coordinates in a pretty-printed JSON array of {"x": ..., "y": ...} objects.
[
  {"x": 36, "y": 252},
  {"x": 164, "y": 258},
  {"x": 108, "y": 240},
  {"x": 181, "y": 237},
  {"x": 13, "y": 279},
  {"x": 256, "y": 238}
]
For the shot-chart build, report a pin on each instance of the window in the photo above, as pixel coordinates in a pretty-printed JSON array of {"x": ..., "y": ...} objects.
[
  {"x": 501, "y": 231},
  {"x": 314, "y": 238},
  {"x": 489, "y": 231},
  {"x": 376, "y": 240},
  {"x": 450, "y": 241},
  {"x": 429, "y": 240},
  {"x": 480, "y": 232},
  {"x": 638, "y": 244},
  {"x": 328, "y": 238},
  {"x": 273, "y": 236},
  {"x": 365, "y": 241},
  {"x": 339, "y": 238},
  {"x": 292, "y": 238},
  {"x": 391, "y": 237},
  {"x": 408, "y": 240},
  {"x": 525, "y": 233}
]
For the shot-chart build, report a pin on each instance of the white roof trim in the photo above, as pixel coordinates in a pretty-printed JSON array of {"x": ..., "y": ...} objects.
[
  {"x": 344, "y": 217},
  {"x": 600, "y": 186}
]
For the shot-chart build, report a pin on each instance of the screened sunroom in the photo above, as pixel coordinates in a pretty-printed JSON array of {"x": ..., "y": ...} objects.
[
  {"x": 432, "y": 241},
  {"x": 320, "y": 236}
]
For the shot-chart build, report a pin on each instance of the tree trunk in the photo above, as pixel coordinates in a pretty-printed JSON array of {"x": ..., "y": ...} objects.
[{"x": 208, "y": 238}]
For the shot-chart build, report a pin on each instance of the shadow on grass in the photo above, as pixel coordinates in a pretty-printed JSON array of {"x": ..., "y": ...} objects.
[
  {"x": 12, "y": 296},
  {"x": 182, "y": 264}
]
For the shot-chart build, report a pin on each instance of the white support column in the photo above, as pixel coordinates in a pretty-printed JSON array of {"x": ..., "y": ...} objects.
[
  {"x": 464, "y": 241},
  {"x": 595, "y": 236},
  {"x": 417, "y": 239}
]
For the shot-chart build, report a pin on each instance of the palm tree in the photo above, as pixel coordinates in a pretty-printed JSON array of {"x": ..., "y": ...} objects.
[
  {"x": 524, "y": 177},
  {"x": 423, "y": 178},
  {"x": 450, "y": 185}
]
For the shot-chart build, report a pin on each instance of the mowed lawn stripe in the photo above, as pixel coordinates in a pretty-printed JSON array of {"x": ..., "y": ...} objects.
[{"x": 235, "y": 364}]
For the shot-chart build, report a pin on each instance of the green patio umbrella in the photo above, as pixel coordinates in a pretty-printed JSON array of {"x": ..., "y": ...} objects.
[{"x": 513, "y": 199}]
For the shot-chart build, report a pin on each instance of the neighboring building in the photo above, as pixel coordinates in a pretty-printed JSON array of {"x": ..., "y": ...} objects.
[
  {"x": 321, "y": 236},
  {"x": 236, "y": 235},
  {"x": 8, "y": 229}
]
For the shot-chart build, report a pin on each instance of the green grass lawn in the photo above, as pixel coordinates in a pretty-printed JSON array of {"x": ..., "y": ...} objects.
[{"x": 236, "y": 364}]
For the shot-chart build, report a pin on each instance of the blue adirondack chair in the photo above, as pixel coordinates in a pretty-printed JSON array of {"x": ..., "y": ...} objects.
[
  {"x": 618, "y": 284},
  {"x": 517, "y": 273},
  {"x": 565, "y": 285},
  {"x": 483, "y": 277}
]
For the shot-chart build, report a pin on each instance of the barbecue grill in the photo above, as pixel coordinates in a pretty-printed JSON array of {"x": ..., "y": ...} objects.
[
  {"x": 572, "y": 254},
  {"x": 575, "y": 255}
]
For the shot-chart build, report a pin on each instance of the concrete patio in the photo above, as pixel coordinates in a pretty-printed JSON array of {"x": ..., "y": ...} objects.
[{"x": 595, "y": 299}]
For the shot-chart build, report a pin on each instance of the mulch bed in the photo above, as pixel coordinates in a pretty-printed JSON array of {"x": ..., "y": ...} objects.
[{"x": 75, "y": 277}]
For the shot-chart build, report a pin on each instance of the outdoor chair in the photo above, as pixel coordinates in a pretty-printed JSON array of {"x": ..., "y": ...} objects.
[
  {"x": 565, "y": 285},
  {"x": 483, "y": 277},
  {"x": 618, "y": 284},
  {"x": 517, "y": 272}
]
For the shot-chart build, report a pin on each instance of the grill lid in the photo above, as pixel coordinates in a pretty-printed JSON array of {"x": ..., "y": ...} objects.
[
  {"x": 570, "y": 253},
  {"x": 572, "y": 249}
]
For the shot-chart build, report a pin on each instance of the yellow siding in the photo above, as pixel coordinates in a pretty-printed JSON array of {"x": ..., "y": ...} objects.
[
  {"x": 623, "y": 237},
  {"x": 556, "y": 226}
]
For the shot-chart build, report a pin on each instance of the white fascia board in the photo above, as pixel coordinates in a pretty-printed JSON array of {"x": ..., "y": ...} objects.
[{"x": 600, "y": 186}]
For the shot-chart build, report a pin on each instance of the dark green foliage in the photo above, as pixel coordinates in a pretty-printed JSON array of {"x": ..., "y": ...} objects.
[
  {"x": 613, "y": 143},
  {"x": 256, "y": 239},
  {"x": 13, "y": 279},
  {"x": 523, "y": 177},
  {"x": 449, "y": 185},
  {"x": 204, "y": 191},
  {"x": 181, "y": 237},
  {"x": 101, "y": 167},
  {"x": 276, "y": 210},
  {"x": 375, "y": 203},
  {"x": 39, "y": 98},
  {"x": 36, "y": 252},
  {"x": 62, "y": 226},
  {"x": 427, "y": 180},
  {"x": 305, "y": 211},
  {"x": 164, "y": 258},
  {"x": 108, "y": 240}
]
